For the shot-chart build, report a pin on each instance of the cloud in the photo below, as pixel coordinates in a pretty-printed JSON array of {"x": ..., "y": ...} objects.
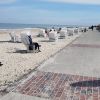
[
  {"x": 6, "y": 1},
  {"x": 97, "y": 2}
]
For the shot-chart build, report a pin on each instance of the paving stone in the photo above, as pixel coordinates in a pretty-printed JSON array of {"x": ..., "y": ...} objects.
[{"x": 58, "y": 86}]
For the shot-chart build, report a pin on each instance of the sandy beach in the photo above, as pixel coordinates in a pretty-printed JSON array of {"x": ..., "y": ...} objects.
[{"x": 17, "y": 64}]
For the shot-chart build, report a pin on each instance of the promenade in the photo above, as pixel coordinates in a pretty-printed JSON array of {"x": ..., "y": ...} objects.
[
  {"x": 72, "y": 74},
  {"x": 82, "y": 57}
]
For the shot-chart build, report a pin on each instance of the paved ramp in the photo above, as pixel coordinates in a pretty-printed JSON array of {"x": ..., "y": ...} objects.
[
  {"x": 17, "y": 96},
  {"x": 82, "y": 57}
]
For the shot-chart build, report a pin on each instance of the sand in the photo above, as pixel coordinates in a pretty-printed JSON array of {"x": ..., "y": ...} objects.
[{"x": 16, "y": 64}]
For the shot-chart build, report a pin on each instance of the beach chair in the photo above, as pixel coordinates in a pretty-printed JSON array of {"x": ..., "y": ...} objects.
[
  {"x": 70, "y": 31},
  {"x": 53, "y": 37},
  {"x": 42, "y": 33},
  {"x": 14, "y": 38},
  {"x": 76, "y": 30},
  {"x": 63, "y": 34},
  {"x": 81, "y": 29},
  {"x": 26, "y": 42}
]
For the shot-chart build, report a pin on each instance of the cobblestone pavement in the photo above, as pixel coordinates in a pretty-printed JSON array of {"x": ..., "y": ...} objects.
[
  {"x": 68, "y": 75},
  {"x": 58, "y": 86}
]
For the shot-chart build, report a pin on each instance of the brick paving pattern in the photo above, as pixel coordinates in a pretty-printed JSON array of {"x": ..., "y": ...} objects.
[
  {"x": 85, "y": 45},
  {"x": 58, "y": 86}
]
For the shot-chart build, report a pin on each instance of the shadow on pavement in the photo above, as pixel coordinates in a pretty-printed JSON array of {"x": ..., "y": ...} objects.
[{"x": 90, "y": 83}]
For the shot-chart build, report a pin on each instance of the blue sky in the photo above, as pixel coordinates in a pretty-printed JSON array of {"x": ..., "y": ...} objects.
[{"x": 68, "y": 12}]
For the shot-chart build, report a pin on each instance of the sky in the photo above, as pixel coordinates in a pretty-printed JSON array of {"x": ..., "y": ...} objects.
[{"x": 66, "y": 12}]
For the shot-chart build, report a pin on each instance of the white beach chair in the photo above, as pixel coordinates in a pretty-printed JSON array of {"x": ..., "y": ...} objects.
[
  {"x": 76, "y": 30},
  {"x": 26, "y": 42},
  {"x": 42, "y": 33},
  {"x": 70, "y": 31},
  {"x": 63, "y": 34},
  {"x": 81, "y": 29},
  {"x": 53, "y": 37},
  {"x": 14, "y": 37}
]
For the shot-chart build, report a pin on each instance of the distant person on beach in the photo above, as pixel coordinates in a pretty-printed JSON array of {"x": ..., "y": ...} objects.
[
  {"x": 47, "y": 32},
  {"x": 85, "y": 30},
  {"x": 33, "y": 44},
  {"x": 92, "y": 27}
]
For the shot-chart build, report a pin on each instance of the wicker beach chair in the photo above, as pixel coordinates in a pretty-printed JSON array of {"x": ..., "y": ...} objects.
[
  {"x": 63, "y": 34},
  {"x": 70, "y": 31},
  {"x": 76, "y": 30},
  {"x": 53, "y": 37},
  {"x": 26, "y": 42},
  {"x": 42, "y": 33},
  {"x": 14, "y": 37}
]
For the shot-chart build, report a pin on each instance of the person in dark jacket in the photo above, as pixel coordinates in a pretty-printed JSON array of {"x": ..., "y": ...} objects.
[
  {"x": 33, "y": 44},
  {"x": 92, "y": 27},
  {"x": 1, "y": 64}
]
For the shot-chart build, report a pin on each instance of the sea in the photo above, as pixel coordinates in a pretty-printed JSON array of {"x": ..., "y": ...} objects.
[{"x": 22, "y": 26}]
